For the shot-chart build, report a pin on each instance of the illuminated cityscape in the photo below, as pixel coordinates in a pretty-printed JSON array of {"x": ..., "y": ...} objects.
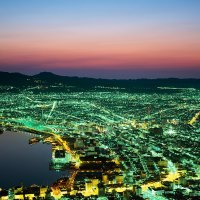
[
  {"x": 112, "y": 143},
  {"x": 100, "y": 99}
]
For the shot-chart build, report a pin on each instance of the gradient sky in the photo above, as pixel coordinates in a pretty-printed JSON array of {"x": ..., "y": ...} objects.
[{"x": 101, "y": 38}]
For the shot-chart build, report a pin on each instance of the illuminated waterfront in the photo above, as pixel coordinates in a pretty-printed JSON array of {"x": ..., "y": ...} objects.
[
  {"x": 20, "y": 161},
  {"x": 113, "y": 142},
  {"x": 100, "y": 100}
]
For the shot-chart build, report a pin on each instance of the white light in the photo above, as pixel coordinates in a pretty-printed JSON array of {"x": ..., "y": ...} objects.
[{"x": 171, "y": 131}]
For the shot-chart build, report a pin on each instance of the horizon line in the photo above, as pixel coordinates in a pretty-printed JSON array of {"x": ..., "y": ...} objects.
[{"x": 76, "y": 76}]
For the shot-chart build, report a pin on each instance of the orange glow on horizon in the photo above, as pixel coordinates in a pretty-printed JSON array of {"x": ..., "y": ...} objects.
[{"x": 100, "y": 50}]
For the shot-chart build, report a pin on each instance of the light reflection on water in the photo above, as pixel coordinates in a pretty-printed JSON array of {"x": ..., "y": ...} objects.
[{"x": 21, "y": 163}]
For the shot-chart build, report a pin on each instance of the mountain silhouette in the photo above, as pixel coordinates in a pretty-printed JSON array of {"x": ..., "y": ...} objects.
[{"x": 48, "y": 78}]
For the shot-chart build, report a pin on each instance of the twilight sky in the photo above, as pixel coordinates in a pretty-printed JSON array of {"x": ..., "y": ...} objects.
[{"x": 101, "y": 38}]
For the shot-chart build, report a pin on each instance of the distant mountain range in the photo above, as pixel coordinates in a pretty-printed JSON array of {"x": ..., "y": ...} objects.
[{"x": 48, "y": 78}]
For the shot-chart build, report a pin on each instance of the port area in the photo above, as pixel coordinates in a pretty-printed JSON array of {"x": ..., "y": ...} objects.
[{"x": 114, "y": 144}]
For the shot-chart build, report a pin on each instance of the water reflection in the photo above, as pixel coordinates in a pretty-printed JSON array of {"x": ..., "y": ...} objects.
[{"x": 21, "y": 163}]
